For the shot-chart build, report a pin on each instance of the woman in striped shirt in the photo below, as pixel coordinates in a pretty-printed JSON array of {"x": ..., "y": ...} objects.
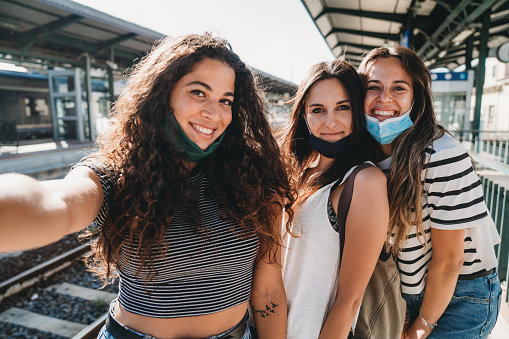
[
  {"x": 440, "y": 228},
  {"x": 186, "y": 191}
]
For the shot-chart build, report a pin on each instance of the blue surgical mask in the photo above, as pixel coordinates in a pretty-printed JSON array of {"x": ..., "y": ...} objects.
[
  {"x": 386, "y": 131},
  {"x": 329, "y": 149}
]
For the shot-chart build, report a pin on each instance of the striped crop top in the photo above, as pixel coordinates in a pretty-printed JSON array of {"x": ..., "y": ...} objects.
[{"x": 196, "y": 277}]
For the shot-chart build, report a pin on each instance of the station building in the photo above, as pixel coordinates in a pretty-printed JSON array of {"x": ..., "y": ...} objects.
[{"x": 65, "y": 64}]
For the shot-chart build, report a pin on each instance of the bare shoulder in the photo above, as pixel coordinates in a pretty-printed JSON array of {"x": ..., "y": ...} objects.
[
  {"x": 370, "y": 176},
  {"x": 82, "y": 172},
  {"x": 370, "y": 185}
]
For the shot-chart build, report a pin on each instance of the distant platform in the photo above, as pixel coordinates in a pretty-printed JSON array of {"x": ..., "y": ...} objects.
[{"x": 43, "y": 158}]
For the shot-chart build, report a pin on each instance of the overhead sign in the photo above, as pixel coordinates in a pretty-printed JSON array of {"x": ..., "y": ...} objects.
[
  {"x": 450, "y": 76},
  {"x": 452, "y": 82}
]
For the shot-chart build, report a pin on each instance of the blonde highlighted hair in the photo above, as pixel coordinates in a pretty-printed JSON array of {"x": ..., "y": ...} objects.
[{"x": 405, "y": 185}]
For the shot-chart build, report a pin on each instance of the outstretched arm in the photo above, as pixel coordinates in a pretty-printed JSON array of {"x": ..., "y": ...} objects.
[
  {"x": 366, "y": 230},
  {"x": 268, "y": 298},
  {"x": 36, "y": 213},
  {"x": 443, "y": 272},
  {"x": 455, "y": 198}
]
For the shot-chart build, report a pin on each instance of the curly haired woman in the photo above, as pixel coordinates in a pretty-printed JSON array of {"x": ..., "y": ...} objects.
[
  {"x": 187, "y": 192},
  {"x": 443, "y": 234}
]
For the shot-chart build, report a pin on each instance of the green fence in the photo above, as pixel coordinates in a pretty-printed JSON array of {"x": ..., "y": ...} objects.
[
  {"x": 496, "y": 196},
  {"x": 490, "y": 151}
]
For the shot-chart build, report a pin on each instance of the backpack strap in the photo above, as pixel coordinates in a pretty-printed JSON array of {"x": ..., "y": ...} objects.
[{"x": 344, "y": 204}]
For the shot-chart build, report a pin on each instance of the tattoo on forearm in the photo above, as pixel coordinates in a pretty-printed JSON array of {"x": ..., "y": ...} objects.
[{"x": 267, "y": 311}]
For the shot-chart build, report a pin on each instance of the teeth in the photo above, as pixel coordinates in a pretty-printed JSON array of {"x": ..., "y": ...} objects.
[
  {"x": 384, "y": 113},
  {"x": 203, "y": 129}
]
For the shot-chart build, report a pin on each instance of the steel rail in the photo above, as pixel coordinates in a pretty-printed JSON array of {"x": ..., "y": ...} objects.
[{"x": 42, "y": 271}]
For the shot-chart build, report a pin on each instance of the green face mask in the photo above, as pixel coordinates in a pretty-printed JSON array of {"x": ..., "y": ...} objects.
[{"x": 190, "y": 151}]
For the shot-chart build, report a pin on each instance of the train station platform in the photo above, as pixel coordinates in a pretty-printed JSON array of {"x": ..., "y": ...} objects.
[
  {"x": 501, "y": 330},
  {"x": 43, "y": 159}
]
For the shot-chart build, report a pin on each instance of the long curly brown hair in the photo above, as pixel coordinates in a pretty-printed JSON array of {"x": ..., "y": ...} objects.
[
  {"x": 248, "y": 175},
  {"x": 404, "y": 183}
]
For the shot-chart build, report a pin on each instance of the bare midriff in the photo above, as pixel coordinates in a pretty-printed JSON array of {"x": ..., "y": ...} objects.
[{"x": 202, "y": 326}]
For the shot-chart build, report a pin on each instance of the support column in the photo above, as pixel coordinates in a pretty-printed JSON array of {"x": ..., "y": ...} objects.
[
  {"x": 469, "y": 51},
  {"x": 481, "y": 71},
  {"x": 88, "y": 85},
  {"x": 111, "y": 66},
  {"x": 410, "y": 26},
  {"x": 110, "y": 87}
]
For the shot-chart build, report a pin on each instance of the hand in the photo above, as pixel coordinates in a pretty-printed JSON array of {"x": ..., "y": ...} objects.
[{"x": 417, "y": 330}]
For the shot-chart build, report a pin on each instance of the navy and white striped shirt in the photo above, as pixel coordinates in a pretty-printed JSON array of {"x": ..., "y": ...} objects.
[
  {"x": 452, "y": 200},
  {"x": 197, "y": 276}
]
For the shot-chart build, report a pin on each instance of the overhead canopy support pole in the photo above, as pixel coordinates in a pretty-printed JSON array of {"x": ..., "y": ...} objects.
[
  {"x": 89, "y": 112},
  {"x": 410, "y": 25},
  {"x": 481, "y": 71},
  {"x": 29, "y": 38},
  {"x": 469, "y": 51},
  {"x": 110, "y": 78}
]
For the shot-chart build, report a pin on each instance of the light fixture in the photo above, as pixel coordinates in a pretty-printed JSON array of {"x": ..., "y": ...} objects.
[
  {"x": 442, "y": 54},
  {"x": 458, "y": 39}
]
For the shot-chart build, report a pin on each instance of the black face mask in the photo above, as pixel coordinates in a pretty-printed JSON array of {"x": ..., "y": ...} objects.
[{"x": 331, "y": 150}]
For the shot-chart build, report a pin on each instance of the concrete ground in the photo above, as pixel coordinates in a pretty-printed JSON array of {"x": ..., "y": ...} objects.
[{"x": 501, "y": 330}]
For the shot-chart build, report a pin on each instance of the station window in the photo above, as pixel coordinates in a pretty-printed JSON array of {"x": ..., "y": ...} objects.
[
  {"x": 491, "y": 111},
  {"x": 36, "y": 107}
]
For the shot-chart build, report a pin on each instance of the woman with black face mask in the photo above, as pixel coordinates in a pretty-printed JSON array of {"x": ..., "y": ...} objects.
[{"x": 325, "y": 138}]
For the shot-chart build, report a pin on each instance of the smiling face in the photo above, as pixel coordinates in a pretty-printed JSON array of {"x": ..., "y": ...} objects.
[
  {"x": 389, "y": 91},
  {"x": 328, "y": 110},
  {"x": 202, "y": 101}
]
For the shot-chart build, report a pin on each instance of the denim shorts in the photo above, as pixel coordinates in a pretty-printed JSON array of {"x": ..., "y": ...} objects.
[
  {"x": 104, "y": 334},
  {"x": 472, "y": 312}
]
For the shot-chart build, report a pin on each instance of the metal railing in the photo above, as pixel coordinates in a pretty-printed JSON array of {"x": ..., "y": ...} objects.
[
  {"x": 490, "y": 151},
  {"x": 8, "y": 136},
  {"x": 496, "y": 197}
]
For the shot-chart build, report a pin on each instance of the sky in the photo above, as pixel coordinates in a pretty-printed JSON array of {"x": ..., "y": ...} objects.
[{"x": 275, "y": 36}]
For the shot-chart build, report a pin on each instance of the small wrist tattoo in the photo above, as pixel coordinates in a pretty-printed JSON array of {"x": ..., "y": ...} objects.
[{"x": 267, "y": 311}]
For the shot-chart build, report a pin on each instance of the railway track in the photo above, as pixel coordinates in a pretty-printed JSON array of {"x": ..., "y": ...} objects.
[{"x": 56, "y": 299}]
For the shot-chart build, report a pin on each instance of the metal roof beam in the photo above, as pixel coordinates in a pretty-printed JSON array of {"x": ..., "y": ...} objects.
[
  {"x": 367, "y": 47},
  {"x": 354, "y": 53},
  {"x": 35, "y": 58},
  {"x": 86, "y": 46},
  {"x": 28, "y": 38},
  {"x": 378, "y": 35},
  {"x": 107, "y": 44},
  {"x": 126, "y": 56},
  {"x": 363, "y": 14},
  {"x": 455, "y": 23},
  {"x": 447, "y": 59}
]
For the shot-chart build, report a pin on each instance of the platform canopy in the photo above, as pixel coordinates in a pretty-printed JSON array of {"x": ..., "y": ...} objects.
[
  {"x": 62, "y": 33},
  {"x": 445, "y": 33}
]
